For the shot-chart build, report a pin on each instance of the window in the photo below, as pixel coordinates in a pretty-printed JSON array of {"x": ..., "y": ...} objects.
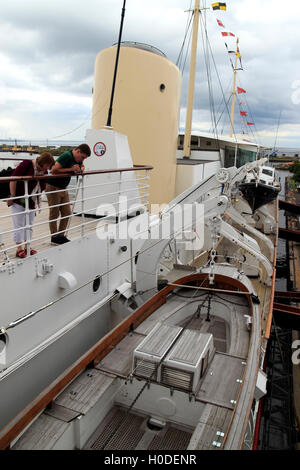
[
  {"x": 242, "y": 157},
  {"x": 267, "y": 172}
]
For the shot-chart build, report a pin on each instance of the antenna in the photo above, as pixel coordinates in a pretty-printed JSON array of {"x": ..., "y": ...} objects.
[{"x": 116, "y": 67}]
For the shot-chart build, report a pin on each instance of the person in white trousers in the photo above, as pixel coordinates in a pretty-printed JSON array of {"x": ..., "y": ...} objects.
[{"x": 23, "y": 231}]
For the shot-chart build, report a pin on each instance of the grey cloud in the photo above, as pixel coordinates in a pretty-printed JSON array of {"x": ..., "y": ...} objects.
[{"x": 56, "y": 44}]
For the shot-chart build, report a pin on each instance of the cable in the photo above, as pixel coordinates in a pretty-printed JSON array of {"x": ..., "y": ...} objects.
[
  {"x": 220, "y": 84},
  {"x": 255, "y": 135},
  {"x": 188, "y": 24}
]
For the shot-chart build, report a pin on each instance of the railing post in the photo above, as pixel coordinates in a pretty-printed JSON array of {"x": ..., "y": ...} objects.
[
  {"x": 82, "y": 206},
  {"x": 147, "y": 186},
  {"x": 27, "y": 230},
  {"x": 119, "y": 198}
]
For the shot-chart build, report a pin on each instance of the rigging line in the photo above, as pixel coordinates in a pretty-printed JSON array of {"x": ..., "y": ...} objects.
[
  {"x": 245, "y": 129},
  {"x": 224, "y": 99},
  {"x": 221, "y": 113},
  {"x": 188, "y": 24},
  {"x": 256, "y": 136},
  {"x": 277, "y": 131},
  {"x": 187, "y": 296},
  {"x": 122, "y": 420},
  {"x": 69, "y": 132},
  {"x": 243, "y": 125},
  {"x": 86, "y": 119},
  {"x": 228, "y": 91},
  {"x": 220, "y": 84},
  {"x": 209, "y": 79},
  {"x": 208, "y": 70},
  {"x": 187, "y": 50},
  {"x": 224, "y": 120}
]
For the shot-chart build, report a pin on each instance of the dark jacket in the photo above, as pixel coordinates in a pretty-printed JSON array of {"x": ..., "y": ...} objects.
[{"x": 25, "y": 168}]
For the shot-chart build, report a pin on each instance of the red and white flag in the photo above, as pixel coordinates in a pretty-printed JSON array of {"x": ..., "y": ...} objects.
[
  {"x": 227, "y": 34},
  {"x": 220, "y": 24},
  {"x": 241, "y": 90}
]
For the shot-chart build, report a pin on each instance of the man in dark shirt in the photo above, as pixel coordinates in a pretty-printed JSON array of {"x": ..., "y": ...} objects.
[{"x": 70, "y": 161}]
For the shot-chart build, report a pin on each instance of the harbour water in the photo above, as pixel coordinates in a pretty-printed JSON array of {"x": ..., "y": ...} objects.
[
  {"x": 10, "y": 158},
  {"x": 41, "y": 143}
]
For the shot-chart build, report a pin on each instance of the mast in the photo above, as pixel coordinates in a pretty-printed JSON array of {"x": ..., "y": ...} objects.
[
  {"x": 190, "y": 102},
  {"x": 233, "y": 90}
]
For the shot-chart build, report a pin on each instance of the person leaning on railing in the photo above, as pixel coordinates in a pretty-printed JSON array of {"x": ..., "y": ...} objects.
[
  {"x": 58, "y": 196},
  {"x": 40, "y": 166}
]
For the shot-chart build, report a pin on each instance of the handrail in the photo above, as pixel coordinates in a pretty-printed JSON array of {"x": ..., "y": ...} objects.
[
  {"x": 72, "y": 173},
  {"x": 14, "y": 159},
  {"x": 87, "y": 204}
]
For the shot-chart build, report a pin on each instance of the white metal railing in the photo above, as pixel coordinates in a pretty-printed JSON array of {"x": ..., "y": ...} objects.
[{"x": 86, "y": 205}]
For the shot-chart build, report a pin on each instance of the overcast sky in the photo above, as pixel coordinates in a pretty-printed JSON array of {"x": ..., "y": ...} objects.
[{"x": 48, "y": 50}]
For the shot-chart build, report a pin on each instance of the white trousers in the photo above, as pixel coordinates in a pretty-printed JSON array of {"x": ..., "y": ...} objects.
[{"x": 19, "y": 223}]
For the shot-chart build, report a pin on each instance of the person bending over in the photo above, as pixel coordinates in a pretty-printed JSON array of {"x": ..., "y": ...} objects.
[{"x": 57, "y": 194}]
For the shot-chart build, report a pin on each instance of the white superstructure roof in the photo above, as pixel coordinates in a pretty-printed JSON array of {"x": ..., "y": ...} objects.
[{"x": 223, "y": 138}]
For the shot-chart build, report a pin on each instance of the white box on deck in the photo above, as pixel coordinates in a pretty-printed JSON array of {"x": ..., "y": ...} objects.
[
  {"x": 187, "y": 361},
  {"x": 149, "y": 354}
]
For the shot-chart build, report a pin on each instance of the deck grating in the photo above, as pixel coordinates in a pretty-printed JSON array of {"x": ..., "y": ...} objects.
[{"x": 121, "y": 431}]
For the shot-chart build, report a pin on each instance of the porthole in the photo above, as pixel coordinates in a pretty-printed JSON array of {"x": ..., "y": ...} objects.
[
  {"x": 96, "y": 283},
  {"x": 162, "y": 87}
]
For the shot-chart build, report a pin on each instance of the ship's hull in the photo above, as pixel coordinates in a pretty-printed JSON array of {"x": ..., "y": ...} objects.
[{"x": 258, "y": 194}]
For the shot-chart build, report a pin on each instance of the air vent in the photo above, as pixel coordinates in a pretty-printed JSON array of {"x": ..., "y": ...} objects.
[
  {"x": 145, "y": 369},
  {"x": 177, "y": 378}
]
